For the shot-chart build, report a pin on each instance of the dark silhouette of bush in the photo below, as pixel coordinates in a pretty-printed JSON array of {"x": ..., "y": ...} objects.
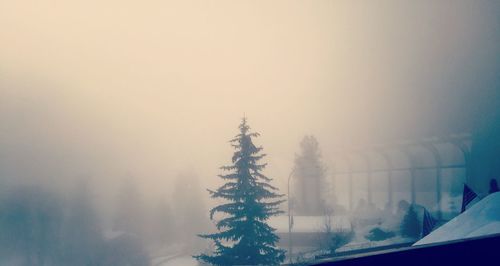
[
  {"x": 377, "y": 234},
  {"x": 410, "y": 226}
]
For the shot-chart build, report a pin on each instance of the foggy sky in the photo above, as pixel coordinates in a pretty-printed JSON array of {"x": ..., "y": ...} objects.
[{"x": 151, "y": 89}]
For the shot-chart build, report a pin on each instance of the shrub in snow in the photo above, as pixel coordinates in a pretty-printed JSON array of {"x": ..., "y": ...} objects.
[
  {"x": 331, "y": 239},
  {"x": 340, "y": 239},
  {"x": 410, "y": 226},
  {"x": 377, "y": 234}
]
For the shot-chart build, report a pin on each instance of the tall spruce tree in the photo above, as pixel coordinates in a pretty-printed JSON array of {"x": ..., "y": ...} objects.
[{"x": 244, "y": 237}]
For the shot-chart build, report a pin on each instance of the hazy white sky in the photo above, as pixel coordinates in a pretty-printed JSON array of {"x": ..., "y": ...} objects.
[{"x": 152, "y": 88}]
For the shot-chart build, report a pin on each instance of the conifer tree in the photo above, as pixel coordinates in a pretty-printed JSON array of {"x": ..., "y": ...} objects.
[
  {"x": 410, "y": 226},
  {"x": 244, "y": 237},
  {"x": 310, "y": 171}
]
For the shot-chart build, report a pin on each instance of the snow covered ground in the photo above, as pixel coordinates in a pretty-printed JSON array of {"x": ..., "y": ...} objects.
[
  {"x": 371, "y": 244},
  {"x": 174, "y": 254},
  {"x": 483, "y": 218},
  {"x": 308, "y": 224},
  {"x": 179, "y": 261}
]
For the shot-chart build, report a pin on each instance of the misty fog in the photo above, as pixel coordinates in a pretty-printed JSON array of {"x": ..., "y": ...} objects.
[{"x": 130, "y": 106}]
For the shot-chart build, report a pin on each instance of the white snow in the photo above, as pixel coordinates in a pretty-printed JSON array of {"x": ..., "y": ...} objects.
[
  {"x": 483, "y": 218},
  {"x": 491, "y": 228},
  {"x": 309, "y": 224},
  {"x": 180, "y": 261},
  {"x": 371, "y": 244},
  {"x": 161, "y": 260}
]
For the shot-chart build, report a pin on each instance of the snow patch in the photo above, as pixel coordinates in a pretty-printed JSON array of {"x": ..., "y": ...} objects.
[
  {"x": 181, "y": 261},
  {"x": 309, "y": 224},
  {"x": 483, "y": 218}
]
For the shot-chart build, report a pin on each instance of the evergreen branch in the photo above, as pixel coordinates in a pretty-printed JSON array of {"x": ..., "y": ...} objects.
[
  {"x": 262, "y": 176},
  {"x": 228, "y": 168},
  {"x": 229, "y": 208},
  {"x": 266, "y": 185},
  {"x": 228, "y": 176}
]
